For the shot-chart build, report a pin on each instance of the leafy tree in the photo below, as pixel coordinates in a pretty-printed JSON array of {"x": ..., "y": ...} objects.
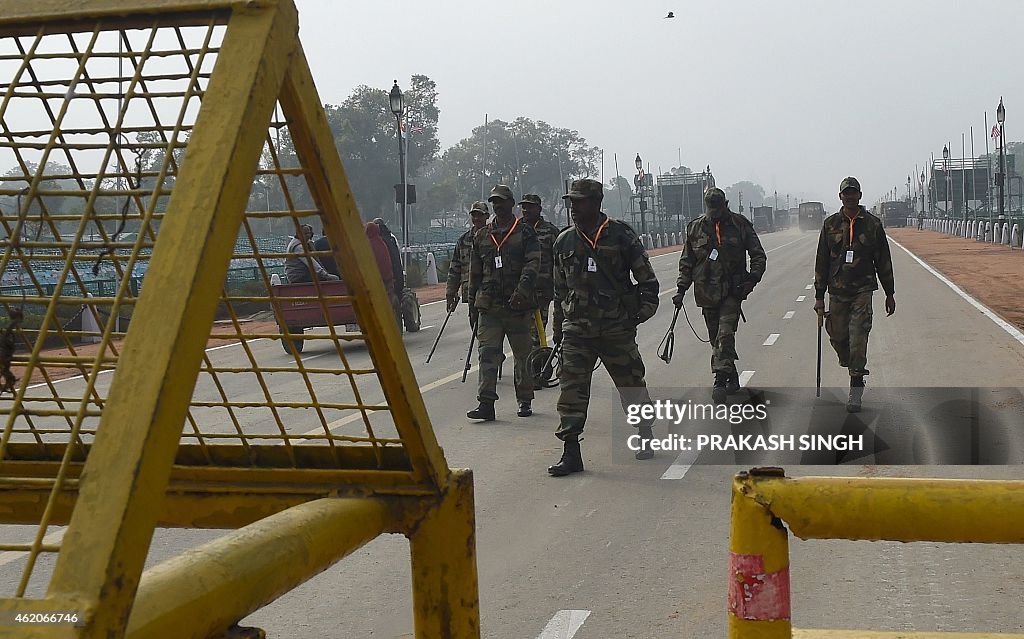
[
  {"x": 530, "y": 156},
  {"x": 753, "y": 195}
]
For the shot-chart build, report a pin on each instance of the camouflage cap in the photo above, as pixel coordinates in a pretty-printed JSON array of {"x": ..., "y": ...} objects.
[
  {"x": 479, "y": 206},
  {"x": 849, "y": 183},
  {"x": 530, "y": 199},
  {"x": 502, "y": 192},
  {"x": 715, "y": 195},
  {"x": 584, "y": 188}
]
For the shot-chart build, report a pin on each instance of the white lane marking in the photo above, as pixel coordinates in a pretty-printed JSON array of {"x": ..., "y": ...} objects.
[
  {"x": 681, "y": 465},
  {"x": 667, "y": 254},
  {"x": 423, "y": 328},
  {"x": 801, "y": 298},
  {"x": 311, "y": 357},
  {"x": 564, "y": 625},
  {"x": 1014, "y": 332},
  {"x": 432, "y": 303},
  {"x": 771, "y": 339},
  {"x": 209, "y": 350},
  {"x": 745, "y": 377},
  {"x": 809, "y": 287},
  {"x": 789, "y": 315},
  {"x": 48, "y": 540},
  {"x": 784, "y": 245},
  {"x": 357, "y": 415}
]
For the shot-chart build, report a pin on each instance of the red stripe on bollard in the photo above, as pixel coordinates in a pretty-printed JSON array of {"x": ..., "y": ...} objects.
[{"x": 755, "y": 595}]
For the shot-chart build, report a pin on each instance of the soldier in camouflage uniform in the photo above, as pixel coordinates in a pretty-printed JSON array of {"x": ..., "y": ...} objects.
[
  {"x": 853, "y": 255},
  {"x": 593, "y": 262},
  {"x": 714, "y": 261},
  {"x": 458, "y": 270},
  {"x": 502, "y": 278},
  {"x": 546, "y": 234}
]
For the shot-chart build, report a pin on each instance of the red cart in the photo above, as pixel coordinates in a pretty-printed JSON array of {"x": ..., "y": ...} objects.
[{"x": 300, "y": 314}]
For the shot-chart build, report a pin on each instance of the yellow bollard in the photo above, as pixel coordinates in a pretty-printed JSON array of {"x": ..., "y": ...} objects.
[{"x": 758, "y": 568}]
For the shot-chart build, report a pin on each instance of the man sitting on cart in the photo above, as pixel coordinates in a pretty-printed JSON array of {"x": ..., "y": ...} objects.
[{"x": 300, "y": 266}]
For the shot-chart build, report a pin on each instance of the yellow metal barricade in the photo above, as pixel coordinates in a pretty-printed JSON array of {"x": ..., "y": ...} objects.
[
  {"x": 160, "y": 148},
  {"x": 765, "y": 502}
]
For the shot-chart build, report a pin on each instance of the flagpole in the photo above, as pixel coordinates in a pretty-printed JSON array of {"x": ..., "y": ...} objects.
[
  {"x": 974, "y": 159},
  {"x": 988, "y": 171},
  {"x": 618, "y": 185},
  {"x": 483, "y": 160}
]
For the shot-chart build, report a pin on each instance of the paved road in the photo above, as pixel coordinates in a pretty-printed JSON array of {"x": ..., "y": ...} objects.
[{"x": 639, "y": 548}]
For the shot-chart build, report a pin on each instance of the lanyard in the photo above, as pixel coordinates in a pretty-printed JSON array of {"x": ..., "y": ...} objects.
[
  {"x": 500, "y": 244},
  {"x": 597, "y": 236},
  {"x": 853, "y": 222},
  {"x": 718, "y": 232}
]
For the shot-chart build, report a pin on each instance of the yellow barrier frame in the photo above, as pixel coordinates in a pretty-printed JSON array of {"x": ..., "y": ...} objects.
[
  {"x": 293, "y": 521},
  {"x": 765, "y": 502}
]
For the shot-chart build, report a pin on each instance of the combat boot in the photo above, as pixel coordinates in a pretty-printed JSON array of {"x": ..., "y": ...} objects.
[
  {"x": 571, "y": 461},
  {"x": 525, "y": 410},
  {"x": 483, "y": 412},
  {"x": 732, "y": 383},
  {"x": 646, "y": 435},
  {"x": 719, "y": 392},
  {"x": 856, "y": 394}
]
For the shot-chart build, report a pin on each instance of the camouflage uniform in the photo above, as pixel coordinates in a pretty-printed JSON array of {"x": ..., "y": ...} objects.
[
  {"x": 850, "y": 285},
  {"x": 716, "y": 268},
  {"x": 546, "y": 234},
  {"x": 458, "y": 268},
  {"x": 490, "y": 290},
  {"x": 597, "y": 323}
]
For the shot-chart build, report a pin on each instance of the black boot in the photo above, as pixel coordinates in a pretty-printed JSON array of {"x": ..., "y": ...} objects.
[
  {"x": 525, "y": 410},
  {"x": 732, "y": 383},
  {"x": 646, "y": 435},
  {"x": 571, "y": 461},
  {"x": 483, "y": 412},
  {"x": 856, "y": 394},
  {"x": 719, "y": 392}
]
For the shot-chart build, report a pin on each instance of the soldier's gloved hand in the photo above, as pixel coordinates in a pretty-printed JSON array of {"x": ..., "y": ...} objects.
[
  {"x": 517, "y": 302},
  {"x": 474, "y": 315},
  {"x": 677, "y": 299},
  {"x": 819, "y": 307},
  {"x": 453, "y": 302},
  {"x": 744, "y": 289}
]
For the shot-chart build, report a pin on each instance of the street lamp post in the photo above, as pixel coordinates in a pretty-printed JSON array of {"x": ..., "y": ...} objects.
[
  {"x": 398, "y": 108},
  {"x": 640, "y": 191},
  {"x": 1001, "y": 175},
  {"x": 946, "y": 201},
  {"x": 922, "y": 193}
]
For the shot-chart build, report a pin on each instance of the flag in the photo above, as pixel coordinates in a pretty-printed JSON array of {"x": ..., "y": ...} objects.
[
  {"x": 416, "y": 128},
  {"x": 995, "y": 131}
]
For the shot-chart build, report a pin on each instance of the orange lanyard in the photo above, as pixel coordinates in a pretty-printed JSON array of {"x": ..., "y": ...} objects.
[
  {"x": 500, "y": 244},
  {"x": 852, "y": 221},
  {"x": 597, "y": 236},
  {"x": 718, "y": 232}
]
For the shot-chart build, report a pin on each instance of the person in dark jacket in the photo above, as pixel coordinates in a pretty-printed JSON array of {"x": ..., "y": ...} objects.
[
  {"x": 396, "y": 255},
  {"x": 853, "y": 257},
  {"x": 382, "y": 255},
  {"x": 322, "y": 244}
]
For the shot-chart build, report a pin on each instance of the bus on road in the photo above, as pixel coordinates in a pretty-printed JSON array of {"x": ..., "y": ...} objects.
[
  {"x": 895, "y": 214},
  {"x": 812, "y": 214}
]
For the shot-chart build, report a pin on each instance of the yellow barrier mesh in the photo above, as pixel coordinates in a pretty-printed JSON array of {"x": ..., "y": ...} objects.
[{"x": 94, "y": 127}]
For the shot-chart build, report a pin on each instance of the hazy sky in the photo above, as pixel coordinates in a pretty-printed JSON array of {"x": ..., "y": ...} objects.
[{"x": 792, "y": 94}]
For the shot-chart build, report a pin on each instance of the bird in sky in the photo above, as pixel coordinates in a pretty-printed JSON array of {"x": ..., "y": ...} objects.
[{"x": 670, "y": 15}]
